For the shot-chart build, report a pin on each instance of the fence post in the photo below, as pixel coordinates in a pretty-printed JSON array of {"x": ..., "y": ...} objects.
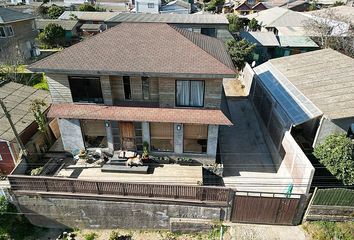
[
  {"x": 97, "y": 188},
  {"x": 230, "y": 204},
  {"x": 309, "y": 205}
]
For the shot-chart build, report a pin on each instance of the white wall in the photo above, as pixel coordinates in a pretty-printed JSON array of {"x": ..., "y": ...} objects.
[{"x": 142, "y": 6}]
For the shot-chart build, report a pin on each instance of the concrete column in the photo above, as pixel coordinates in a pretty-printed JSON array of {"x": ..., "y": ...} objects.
[
  {"x": 109, "y": 134},
  {"x": 106, "y": 90},
  {"x": 213, "y": 131},
  {"x": 71, "y": 135},
  {"x": 145, "y": 128},
  {"x": 178, "y": 138}
]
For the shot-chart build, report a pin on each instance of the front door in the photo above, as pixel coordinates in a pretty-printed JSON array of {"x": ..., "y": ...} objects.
[{"x": 127, "y": 135}]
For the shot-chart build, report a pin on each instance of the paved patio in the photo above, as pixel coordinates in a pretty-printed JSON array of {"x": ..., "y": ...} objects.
[{"x": 248, "y": 164}]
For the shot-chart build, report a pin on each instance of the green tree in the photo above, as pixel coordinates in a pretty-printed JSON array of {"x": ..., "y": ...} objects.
[
  {"x": 236, "y": 24},
  {"x": 215, "y": 5},
  {"x": 336, "y": 154},
  {"x": 253, "y": 25},
  {"x": 240, "y": 52},
  {"x": 55, "y": 11},
  {"x": 87, "y": 8},
  {"x": 52, "y": 36}
]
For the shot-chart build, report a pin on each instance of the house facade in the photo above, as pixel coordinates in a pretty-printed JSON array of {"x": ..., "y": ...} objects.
[
  {"x": 147, "y": 6},
  {"x": 167, "y": 95},
  {"x": 17, "y": 34}
]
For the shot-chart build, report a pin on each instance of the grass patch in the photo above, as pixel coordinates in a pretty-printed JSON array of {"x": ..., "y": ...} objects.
[{"x": 323, "y": 230}]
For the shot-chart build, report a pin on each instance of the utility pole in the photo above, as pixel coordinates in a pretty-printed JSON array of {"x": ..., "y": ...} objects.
[{"x": 18, "y": 139}]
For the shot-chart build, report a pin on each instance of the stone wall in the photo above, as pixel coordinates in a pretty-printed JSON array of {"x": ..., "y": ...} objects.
[{"x": 82, "y": 212}]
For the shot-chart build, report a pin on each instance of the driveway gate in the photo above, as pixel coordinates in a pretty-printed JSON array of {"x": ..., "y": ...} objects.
[{"x": 266, "y": 208}]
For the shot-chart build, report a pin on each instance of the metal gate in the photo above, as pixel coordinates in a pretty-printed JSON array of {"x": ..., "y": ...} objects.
[{"x": 264, "y": 208}]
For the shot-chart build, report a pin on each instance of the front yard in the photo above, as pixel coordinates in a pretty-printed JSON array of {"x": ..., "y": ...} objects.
[{"x": 322, "y": 230}]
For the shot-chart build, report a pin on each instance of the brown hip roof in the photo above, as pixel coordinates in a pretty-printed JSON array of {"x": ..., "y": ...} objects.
[{"x": 138, "y": 114}]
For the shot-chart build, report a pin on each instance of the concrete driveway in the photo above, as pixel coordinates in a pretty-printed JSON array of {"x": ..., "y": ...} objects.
[{"x": 248, "y": 164}]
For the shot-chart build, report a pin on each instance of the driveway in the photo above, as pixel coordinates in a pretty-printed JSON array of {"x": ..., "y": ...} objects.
[{"x": 248, "y": 165}]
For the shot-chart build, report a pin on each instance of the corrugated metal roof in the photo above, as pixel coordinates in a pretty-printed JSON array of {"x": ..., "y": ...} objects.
[
  {"x": 171, "y": 18},
  {"x": 66, "y": 24},
  {"x": 325, "y": 77},
  {"x": 87, "y": 26},
  {"x": 118, "y": 113},
  {"x": 267, "y": 39},
  {"x": 296, "y": 41},
  {"x": 154, "y": 49},
  {"x": 88, "y": 16},
  {"x": 17, "y": 99},
  {"x": 8, "y": 15}
]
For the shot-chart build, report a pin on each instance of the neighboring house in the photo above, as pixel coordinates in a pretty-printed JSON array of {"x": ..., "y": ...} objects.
[
  {"x": 92, "y": 29},
  {"x": 327, "y": 3},
  {"x": 248, "y": 7},
  {"x": 116, "y": 5},
  {"x": 147, "y": 6},
  {"x": 213, "y": 25},
  {"x": 88, "y": 17},
  {"x": 309, "y": 94},
  {"x": 71, "y": 27},
  {"x": 344, "y": 12},
  {"x": 17, "y": 99},
  {"x": 177, "y": 7},
  {"x": 27, "y": 2},
  {"x": 295, "y": 5},
  {"x": 141, "y": 82},
  {"x": 17, "y": 34}
]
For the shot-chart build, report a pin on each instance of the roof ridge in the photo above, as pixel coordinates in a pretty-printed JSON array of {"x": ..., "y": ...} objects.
[
  {"x": 281, "y": 15},
  {"x": 181, "y": 31}
]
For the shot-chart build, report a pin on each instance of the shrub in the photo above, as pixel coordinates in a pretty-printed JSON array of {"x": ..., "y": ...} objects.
[
  {"x": 90, "y": 236},
  {"x": 52, "y": 36},
  {"x": 336, "y": 154},
  {"x": 236, "y": 24},
  {"x": 240, "y": 52},
  {"x": 253, "y": 25},
  {"x": 55, "y": 11},
  {"x": 114, "y": 235},
  {"x": 36, "y": 171}
]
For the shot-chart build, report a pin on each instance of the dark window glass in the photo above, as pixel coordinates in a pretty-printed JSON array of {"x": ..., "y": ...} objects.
[
  {"x": 189, "y": 93},
  {"x": 151, "y": 5},
  {"x": 195, "y": 138},
  {"x": 208, "y": 31},
  {"x": 127, "y": 89},
  {"x": 146, "y": 88},
  {"x": 86, "y": 89},
  {"x": 2, "y": 32}
]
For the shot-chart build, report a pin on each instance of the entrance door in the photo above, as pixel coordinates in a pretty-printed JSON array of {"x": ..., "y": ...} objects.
[{"x": 127, "y": 135}]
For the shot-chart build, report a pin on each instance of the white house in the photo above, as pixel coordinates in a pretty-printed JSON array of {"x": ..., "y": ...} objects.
[{"x": 147, "y": 6}]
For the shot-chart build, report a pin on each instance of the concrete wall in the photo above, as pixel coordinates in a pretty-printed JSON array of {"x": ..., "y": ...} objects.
[
  {"x": 71, "y": 134},
  {"x": 246, "y": 76},
  {"x": 326, "y": 128},
  {"x": 141, "y": 6},
  {"x": 57, "y": 211}
]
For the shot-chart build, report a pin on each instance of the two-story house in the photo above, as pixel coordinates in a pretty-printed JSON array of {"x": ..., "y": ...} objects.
[
  {"x": 141, "y": 82},
  {"x": 17, "y": 34},
  {"x": 147, "y": 6}
]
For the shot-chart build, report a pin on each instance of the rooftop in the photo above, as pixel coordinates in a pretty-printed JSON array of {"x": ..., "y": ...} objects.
[
  {"x": 8, "y": 15},
  {"x": 261, "y": 38},
  {"x": 91, "y": 26},
  {"x": 66, "y": 24},
  {"x": 17, "y": 99},
  {"x": 118, "y": 113},
  {"x": 88, "y": 16},
  {"x": 171, "y": 18},
  {"x": 152, "y": 49},
  {"x": 319, "y": 82},
  {"x": 344, "y": 12},
  {"x": 296, "y": 41}
]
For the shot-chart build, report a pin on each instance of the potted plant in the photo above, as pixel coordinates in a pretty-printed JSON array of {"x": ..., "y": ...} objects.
[{"x": 145, "y": 155}]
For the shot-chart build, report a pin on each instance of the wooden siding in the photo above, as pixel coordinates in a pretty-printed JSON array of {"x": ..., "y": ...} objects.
[{"x": 59, "y": 88}]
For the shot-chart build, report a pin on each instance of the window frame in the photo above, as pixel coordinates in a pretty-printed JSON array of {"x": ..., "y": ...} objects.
[
  {"x": 130, "y": 88},
  {"x": 207, "y": 138},
  {"x": 190, "y": 93},
  {"x": 12, "y": 30},
  {"x": 151, "y": 5},
  {"x": 145, "y": 87},
  {"x": 80, "y": 78},
  {"x": 4, "y": 31},
  {"x": 173, "y": 138}
]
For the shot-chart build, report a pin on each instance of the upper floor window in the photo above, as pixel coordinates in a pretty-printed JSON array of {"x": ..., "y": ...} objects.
[
  {"x": 211, "y": 32},
  {"x": 2, "y": 32},
  {"x": 9, "y": 31},
  {"x": 86, "y": 89},
  {"x": 127, "y": 88},
  {"x": 145, "y": 87},
  {"x": 151, "y": 5},
  {"x": 189, "y": 93}
]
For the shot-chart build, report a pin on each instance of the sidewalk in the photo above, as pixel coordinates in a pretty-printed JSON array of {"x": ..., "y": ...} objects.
[{"x": 238, "y": 231}]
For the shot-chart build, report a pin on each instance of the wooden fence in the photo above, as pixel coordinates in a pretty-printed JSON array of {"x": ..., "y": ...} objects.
[
  {"x": 333, "y": 204},
  {"x": 64, "y": 185}
]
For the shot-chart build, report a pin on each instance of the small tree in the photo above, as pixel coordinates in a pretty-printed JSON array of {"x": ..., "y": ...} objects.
[
  {"x": 52, "y": 36},
  {"x": 336, "y": 154},
  {"x": 236, "y": 24},
  {"x": 253, "y": 25},
  {"x": 87, "y": 8},
  {"x": 55, "y": 11},
  {"x": 240, "y": 52},
  {"x": 215, "y": 5}
]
